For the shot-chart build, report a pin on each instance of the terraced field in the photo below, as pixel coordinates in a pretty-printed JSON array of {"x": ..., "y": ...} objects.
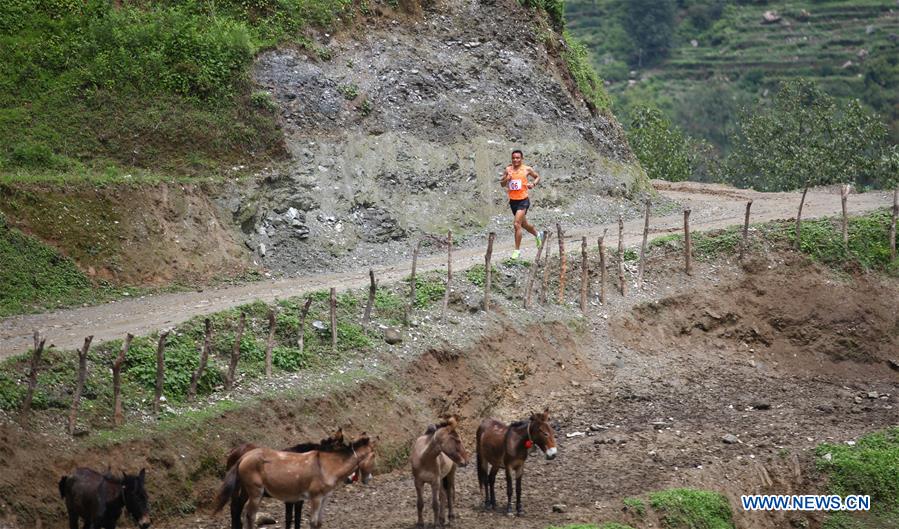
[{"x": 850, "y": 47}]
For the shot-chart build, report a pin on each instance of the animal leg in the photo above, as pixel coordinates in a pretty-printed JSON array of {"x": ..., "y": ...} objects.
[
  {"x": 250, "y": 510},
  {"x": 493, "y": 472},
  {"x": 435, "y": 503},
  {"x": 73, "y": 520},
  {"x": 237, "y": 503},
  {"x": 288, "y": 514},
  {"x": 508, "y": 491},
  {"x": 518, "y": 510},
  {"x": 297, "y": 514},
  {"x": 449, "y": 483},
  {"x": 420, "y": 504},
  {"x": 442, "y": 502}
]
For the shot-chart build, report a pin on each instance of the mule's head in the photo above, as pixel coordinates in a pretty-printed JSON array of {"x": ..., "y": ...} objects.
[
  {"x": 450, "y": 442},
  {"x": 542, "y": 434},
  {"x": 136, "y": 501},
  {"x": 364, "y": 447}
]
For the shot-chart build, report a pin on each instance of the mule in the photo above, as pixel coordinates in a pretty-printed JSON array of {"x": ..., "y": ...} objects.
[
  {"x": 292, "y": 477},
  {"x": 500, "y": 446},
  {"x": 98, "y": 498},
  {"x": 293, "y": 511},
  {"x": 434, "y": 458}
]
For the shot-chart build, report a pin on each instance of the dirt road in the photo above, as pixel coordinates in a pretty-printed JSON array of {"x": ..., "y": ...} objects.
[{"x": 713, "y": 207}]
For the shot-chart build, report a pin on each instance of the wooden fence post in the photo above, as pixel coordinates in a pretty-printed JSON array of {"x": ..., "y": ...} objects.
[
  {"x": 488, "y": 272},
  {"x": 204, "y": 357},
  {"x": 79, "y": 387},
  {"x": 449, "y": 271},
  {"x": 799, "y": 220},
  {"x": 532, "y": 274},
  {"x": 545, "y": 283},
  {"x": 622, "y": 284},
  {"x": 893, "y": 223},
  {"x": 270, "y": 344},
  {"x": 844, "y": 196},
  {"x": 640, "y": 267},
  {"x": 301, "y": 341},
  {"x": 602, "y": 266},
  {"x": 411, "y": 303},
  {"x": 563, "y": 263},
  {"x": 585, "y": 278},
  {"x": 160, "y": 371},
  {"x": 118, "y": 416},
  {"x": 745, "y": 244},
  {"x": 332, "y": 303},
  {"x": 235, "y": 352},
  {"x": 688, "y": 244},
  {"x": 33, "y": 369},
  {"x": 372, "y": 289}
]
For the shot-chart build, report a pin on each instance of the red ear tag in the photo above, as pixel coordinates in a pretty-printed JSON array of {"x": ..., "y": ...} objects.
[
  {"x": 528, "y": 444},
  {"x": 355, "y": 477}
]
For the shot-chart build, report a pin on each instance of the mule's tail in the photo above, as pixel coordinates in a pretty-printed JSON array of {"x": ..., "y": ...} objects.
[
  {"x": 482, "y": 469},
  {"x": 62, "y": 486},
  {"x": 227, "y": 490}
]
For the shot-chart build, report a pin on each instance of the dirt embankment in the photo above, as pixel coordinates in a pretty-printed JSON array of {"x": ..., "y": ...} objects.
[
  {"x": 185, "y": 465},
  {"x": 653, "y": 382},
  {"x": 140, "y": 235}
]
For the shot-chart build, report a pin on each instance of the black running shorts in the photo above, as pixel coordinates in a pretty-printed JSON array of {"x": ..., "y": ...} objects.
[{"x": 519, "y": 205}]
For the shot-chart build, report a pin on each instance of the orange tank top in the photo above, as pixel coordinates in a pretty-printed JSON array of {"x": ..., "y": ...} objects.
[{"x": 517, "y": 186}]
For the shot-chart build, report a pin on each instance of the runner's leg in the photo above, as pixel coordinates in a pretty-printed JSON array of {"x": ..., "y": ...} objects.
[
  {"x": 519, "y": 216},
  {"x": 527, "y": 225}
]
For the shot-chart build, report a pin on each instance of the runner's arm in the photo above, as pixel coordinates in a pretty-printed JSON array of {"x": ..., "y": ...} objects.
[
  {"x": 536, "y": 176},
  {"x": 505, "y": 179}
]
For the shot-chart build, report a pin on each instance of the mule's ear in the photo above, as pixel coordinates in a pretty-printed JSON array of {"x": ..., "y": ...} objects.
[
  {"x": 546, "y": 414},
  {"x": 451, "y": 423},
  {"x": 142, "y": 474}
]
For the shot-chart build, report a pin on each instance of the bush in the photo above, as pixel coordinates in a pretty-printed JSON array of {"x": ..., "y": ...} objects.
[
  {"x": 182, "y": 357},
  {"x": 290, "y": 358},
  {"x": 585, "y": 77}
]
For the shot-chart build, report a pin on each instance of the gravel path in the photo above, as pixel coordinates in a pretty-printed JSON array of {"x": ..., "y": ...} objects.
[{"x": 713, "y": 207}]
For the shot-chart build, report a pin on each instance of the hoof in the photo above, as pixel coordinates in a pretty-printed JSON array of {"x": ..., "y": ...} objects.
[{"x": 519, "y": 512}]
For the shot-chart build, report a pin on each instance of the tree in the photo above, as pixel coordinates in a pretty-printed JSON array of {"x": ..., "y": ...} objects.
[
  {"x": 663, "y": 150},
  {"x": 805, "y": 139},
  {"x": 651, "y": 24}
]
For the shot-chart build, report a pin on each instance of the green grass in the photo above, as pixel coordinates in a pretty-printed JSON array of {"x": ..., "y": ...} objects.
[
  {"x": 821, "y": 239},
  {"x": 92, "y": 88},
  {"x": 635, "y": 504},
  {"x": 585, "y": 77},
  {"x": 692, "y": 509},
  {"x": 35, "y": 277},
  {"x": 477, "y": 274},
  {"x": 869, "y": 467}
]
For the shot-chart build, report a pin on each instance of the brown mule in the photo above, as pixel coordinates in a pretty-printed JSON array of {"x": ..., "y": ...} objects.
[
  {"x": 434, "y": 458},
  {"x": 292, "y": 477},
  {"x": 293, "y": 512},
  {"x": 500, "y": 446}
]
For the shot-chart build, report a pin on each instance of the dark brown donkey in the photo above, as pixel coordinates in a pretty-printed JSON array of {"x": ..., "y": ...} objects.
[
  {"x": 434, "y": 458},
  {"x": 99, "y": 498},
  {"x": 500, "y": 446},
  {"x": 293, "y": 512},
  {"x": 292, "y": 477}
]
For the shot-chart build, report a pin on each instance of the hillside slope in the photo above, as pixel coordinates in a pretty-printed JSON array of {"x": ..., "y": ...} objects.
[
  {"x": 723, "y": 55},
  {"x": 396, "y": 123}
]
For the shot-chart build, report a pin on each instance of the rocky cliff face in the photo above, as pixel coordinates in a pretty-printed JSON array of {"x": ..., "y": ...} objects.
[{"x": 406, "y": 127}]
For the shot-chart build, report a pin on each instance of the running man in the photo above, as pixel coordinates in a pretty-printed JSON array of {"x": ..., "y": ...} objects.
[{"x": 515, "y": 180}]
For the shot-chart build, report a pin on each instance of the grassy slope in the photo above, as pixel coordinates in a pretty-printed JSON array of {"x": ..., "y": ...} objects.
[{"x": 739, "y": 58}]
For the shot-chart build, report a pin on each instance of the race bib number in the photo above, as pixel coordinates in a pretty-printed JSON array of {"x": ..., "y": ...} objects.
[{"x": 514, "y": 185}]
